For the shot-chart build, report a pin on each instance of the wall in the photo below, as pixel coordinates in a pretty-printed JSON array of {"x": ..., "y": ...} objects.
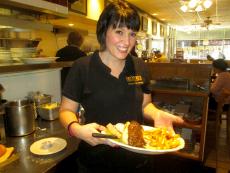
[
  {"x": 18, "y": 85},
  {"x": 48, "y": 44}
]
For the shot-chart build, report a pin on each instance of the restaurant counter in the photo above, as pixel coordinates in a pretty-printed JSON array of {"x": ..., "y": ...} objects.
[{"x": 29, "y": 162}]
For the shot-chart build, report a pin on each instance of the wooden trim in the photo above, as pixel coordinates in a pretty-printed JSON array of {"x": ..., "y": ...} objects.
[{"x": 79, "y": 7}]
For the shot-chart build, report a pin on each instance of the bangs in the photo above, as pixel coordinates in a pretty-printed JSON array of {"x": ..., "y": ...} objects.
[{"x": 125, "y": 18}]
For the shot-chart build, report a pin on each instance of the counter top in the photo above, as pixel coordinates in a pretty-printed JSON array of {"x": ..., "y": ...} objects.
[
  {"x": 29, "y": 162},
  {"x": 20, "y": 67}
]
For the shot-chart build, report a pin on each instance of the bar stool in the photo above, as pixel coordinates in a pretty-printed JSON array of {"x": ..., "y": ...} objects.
[{"x": 224, "y": 100}]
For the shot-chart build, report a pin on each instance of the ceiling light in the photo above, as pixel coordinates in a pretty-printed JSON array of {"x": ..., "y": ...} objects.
[
  {"x": 207, "y": 3},
  {"x": 184, "y": 8},
  {"x": 192, "y": 3},
  {"x": 71, "y": 24},
  {"x": 195, "y": 5},
  {"x": 155, "y": 14}
]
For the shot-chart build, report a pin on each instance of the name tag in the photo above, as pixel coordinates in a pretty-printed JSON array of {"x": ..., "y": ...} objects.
[{"x": 134, "y": 80}]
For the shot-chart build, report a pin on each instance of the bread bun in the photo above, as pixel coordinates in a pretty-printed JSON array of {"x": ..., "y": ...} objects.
[
  {"x": 112, "y": 129},
  {"x": 2, "y": 150},
  {"x": 125, "y": 134}
]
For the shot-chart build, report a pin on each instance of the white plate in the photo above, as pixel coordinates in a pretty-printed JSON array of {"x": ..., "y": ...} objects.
[
  {"x": 48, "y": 146},
  {"x": 38, "y": 60},
  {"x": 120, "y": 126}
]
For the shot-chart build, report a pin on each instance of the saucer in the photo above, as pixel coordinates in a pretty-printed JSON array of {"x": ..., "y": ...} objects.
[{"x": 48, "y": 146}]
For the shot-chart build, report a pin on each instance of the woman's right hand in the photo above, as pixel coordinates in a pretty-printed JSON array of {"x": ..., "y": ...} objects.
[{"x": 84, "y": 132}]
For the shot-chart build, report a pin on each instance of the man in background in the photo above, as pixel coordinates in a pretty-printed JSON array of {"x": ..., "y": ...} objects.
[{"x": 71, "y": 52}]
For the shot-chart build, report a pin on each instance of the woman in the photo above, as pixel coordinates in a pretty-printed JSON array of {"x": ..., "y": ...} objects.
[
  {"x": 221, "y": 82},
  {"x": 112, "y": 86}
]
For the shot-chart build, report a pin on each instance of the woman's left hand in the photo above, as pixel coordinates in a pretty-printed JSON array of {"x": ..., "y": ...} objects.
[{"x": 165, "y": 119}]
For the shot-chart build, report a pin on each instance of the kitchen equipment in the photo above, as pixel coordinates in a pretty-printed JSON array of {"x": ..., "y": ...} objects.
[
  {"x": 19, "y": 118},
  {"x": 48, "y": 111},
  {"x": 1, "y": 105},
  {"x": 39, "y": 98},
  {"x": 2, "y": 111}
]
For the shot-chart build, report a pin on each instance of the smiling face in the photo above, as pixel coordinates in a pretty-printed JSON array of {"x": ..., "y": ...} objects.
[{"x": 119, "y": 41}]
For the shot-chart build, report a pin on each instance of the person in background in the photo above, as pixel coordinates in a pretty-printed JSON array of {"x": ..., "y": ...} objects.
[
  {"x": 71, "y": 52},
  {"x": 113, "y": 87},
  {"x": 159, "y": 57},
  {"x": 222, "y": 81},
  {"x": 210, "y": 58}
]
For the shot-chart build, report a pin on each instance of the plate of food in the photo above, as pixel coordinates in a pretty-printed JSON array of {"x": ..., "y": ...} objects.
[{"x": 144, "y": 139}]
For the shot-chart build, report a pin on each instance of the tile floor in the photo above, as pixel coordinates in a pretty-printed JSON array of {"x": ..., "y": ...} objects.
[{"x": 217, "y": 157}]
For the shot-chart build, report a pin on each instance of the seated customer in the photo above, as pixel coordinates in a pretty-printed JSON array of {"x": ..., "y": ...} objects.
[
  {"x": 209, "y": 58},
  {"x": 221, "y": 82},
  {"x": 159, "y": 57}
]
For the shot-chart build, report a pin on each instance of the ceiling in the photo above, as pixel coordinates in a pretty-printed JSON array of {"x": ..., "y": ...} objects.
[{"x": 169, "y": 12}]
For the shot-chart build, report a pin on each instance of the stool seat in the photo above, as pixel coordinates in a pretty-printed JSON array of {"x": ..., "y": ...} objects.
[{"x": 223, "y": 101}]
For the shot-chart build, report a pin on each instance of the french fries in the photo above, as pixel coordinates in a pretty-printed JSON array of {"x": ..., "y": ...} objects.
[{"x": 160, "y": 139}]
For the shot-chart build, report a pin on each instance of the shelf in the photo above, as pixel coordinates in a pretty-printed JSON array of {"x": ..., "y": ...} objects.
[
  {"x": 186, "y": 155},
  {"x": 179, "y": 84},
  {"x": 20, "y": 67},
  {"x": 180, "y": 92},
  {"x": 190, "y": 126},
  {"x": 40, "y": 7},
  {"x": 19, "y": 39}
]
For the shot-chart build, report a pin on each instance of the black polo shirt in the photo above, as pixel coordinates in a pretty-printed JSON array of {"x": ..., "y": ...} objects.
[{"x": 105, "y": 98}]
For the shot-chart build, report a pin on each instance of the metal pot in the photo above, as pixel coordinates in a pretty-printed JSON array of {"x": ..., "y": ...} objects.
[
  {"x": 19, "y": 118},
  {"x": 1, "y": 102},
  {"x": 39, "y": 98}
]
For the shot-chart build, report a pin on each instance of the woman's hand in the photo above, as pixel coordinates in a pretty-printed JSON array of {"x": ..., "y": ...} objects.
[
  {"x": 84, "y": 132},
  {"x": 165, "y": 119},
  {"x": 161, "y": 118}
]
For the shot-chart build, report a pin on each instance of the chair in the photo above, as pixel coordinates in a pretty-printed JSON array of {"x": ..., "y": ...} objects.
[{"x": 223, "y": 100}]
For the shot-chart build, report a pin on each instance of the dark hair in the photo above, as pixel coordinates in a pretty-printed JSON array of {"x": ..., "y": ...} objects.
[
  {"x": 157, "y": 52},
  {"x": 210, "y": 58},
  {"x": 116, "y": 14},
  {"x": 220, "y": 64},
  {"x": 75, "y": 38}
]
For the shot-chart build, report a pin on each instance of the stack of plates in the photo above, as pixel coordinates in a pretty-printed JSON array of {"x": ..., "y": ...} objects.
[
  {"x": 23, "y": 52},
  {"x": 5, "y": 56},
  {"x": 38, "y": 60}
]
